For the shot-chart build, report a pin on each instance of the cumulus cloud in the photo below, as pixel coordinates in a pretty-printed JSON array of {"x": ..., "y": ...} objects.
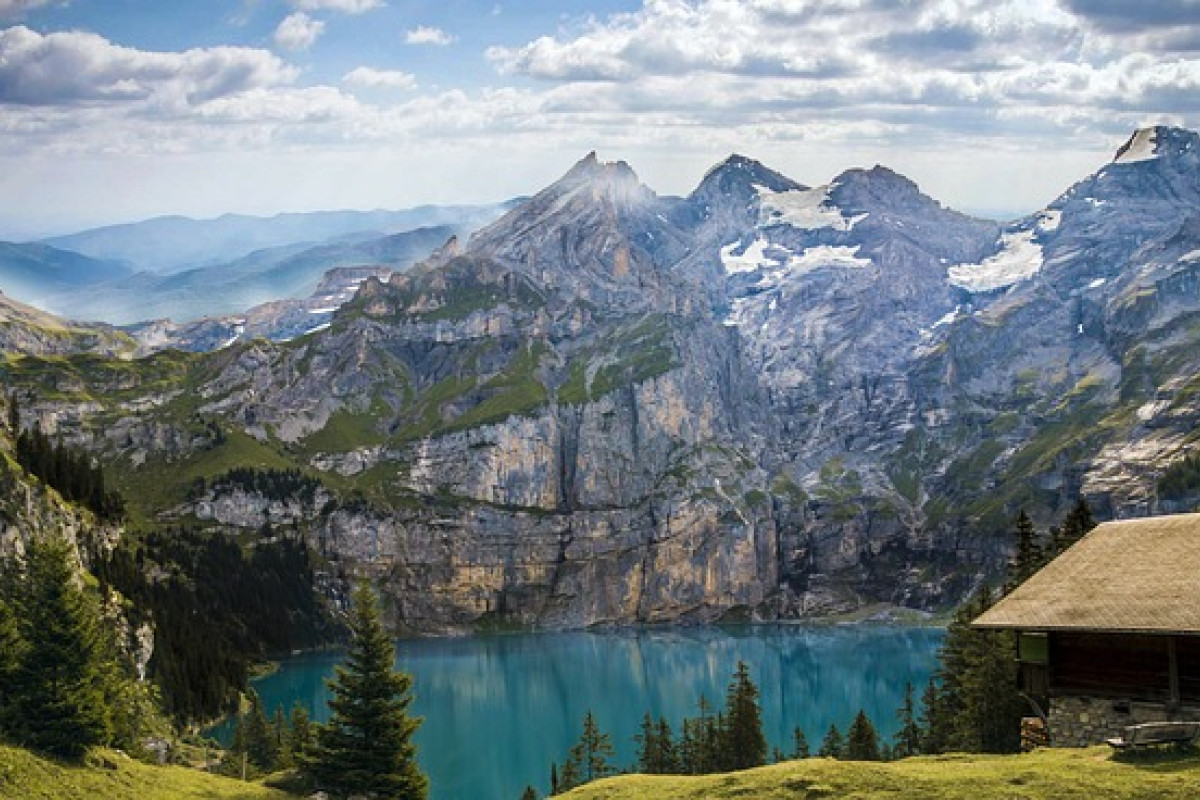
[
  {"x": 84, "y": 69},
  {"x": 344, "y": 6},
  {"x": 423, "y": 34},
  {"x": 380, "y": 78},
  {"x": 298, "y": 31}
]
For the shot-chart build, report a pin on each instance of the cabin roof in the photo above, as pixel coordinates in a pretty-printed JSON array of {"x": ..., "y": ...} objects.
[{"x": 1128, "y": 576}]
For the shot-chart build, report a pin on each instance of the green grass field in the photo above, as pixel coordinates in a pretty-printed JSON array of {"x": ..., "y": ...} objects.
[
  {"x": 1093, "y": 774},
  {"x": 108, "y": 775}
]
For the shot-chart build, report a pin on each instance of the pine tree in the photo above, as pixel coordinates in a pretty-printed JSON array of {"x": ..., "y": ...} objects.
[
  {"x": 833, "y": 745},
  {"x": 554, "y": 782},
  {"x": 299, "y": 739},
  {"x": 668, "y": 752},
  {"x": 744, "y": 745},
  {"x": 1078, "y": 522},
  {"x": 862, "y": 742},
  {"x": 58, "y": 690},
  {"x": 1028, "y": 556},
  {"x": 933, "y": 722},
  {"x": 978, "y": 707},
  {"x": 799, "y": 744},
  {"x": 529, "y": 794},
  {"x": 907, "y": 741},
  {"x": 366, "y": 747},
  {"x": 593, "y": 752},
  {"x": 262, "y": 748},
  {"x": 569, "y": 776}
]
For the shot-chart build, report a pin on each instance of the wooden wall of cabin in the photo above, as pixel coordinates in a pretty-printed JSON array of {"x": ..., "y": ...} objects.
[{"x": 1125, "y": 666}]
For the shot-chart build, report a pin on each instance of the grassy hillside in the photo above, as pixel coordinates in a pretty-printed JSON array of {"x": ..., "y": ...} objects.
[
  {"x": 114, "y": 776},
  {"x": 1046, "y": 774}
]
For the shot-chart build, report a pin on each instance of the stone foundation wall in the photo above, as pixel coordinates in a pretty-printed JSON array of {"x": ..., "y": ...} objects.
[{"x": 1083, "y": 721}]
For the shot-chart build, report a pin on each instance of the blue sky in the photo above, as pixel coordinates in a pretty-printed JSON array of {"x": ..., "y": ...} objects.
[{"x": 113, "y": 110}]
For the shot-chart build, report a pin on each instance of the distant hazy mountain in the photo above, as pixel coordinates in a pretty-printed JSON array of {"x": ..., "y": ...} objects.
[
  {"x": 31, "y": 272},
  {"x": 173, "y": 244},
  {"x": 277, "y": 273}
]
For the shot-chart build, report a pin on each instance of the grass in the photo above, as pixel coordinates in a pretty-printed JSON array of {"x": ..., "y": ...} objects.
[
  {"x": 114, "y": 776},
  {"x": 1044, "y": 774}
]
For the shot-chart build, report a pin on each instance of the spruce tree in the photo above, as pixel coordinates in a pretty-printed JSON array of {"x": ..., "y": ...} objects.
[
  {"x": 833, "y": 745},
  {"x": 299, "y": 738},
  {"x": 529, "y": 794},
  {"x": 1078, "y": 522},
  {"x": 907, "y": 741},
  {"x": 933, "y": 723},
  {"x": 366, "y": 748},
  {"x": 799, "y": 744},
  {"x": 593, "y": 752},
  {"x": 58, "y": 689},
  {"x": 668, "y": 752},
  {"x": 744, "y": 744},
  {"x": 1027, "y": 558},
  {"x": 862, "y": 742}
]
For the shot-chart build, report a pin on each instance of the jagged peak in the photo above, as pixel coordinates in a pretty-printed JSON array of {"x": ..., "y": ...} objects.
[
  {"x": 1156, "y": 141},
  {"x": 744, "y": 173}
]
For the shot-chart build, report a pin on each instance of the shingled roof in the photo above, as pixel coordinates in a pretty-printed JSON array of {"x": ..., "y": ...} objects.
[{"x": 1130, "y": 576}]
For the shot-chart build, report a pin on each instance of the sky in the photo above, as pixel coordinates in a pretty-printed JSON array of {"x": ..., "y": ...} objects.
[{"x": 118, "y": 110}]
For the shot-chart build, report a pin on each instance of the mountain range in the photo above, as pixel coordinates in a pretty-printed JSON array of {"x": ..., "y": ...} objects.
[{"x": 761, "y": 400}]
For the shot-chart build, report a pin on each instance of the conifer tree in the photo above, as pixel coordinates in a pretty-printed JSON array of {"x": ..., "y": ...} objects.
[
  {"x": 833, "y": 745},
  {"x": 862, "y": 742},
  {"x": 933, "y": 722},
  {"x": 799, "y": 744},
  {"x": 667, "y": 749},
  {"x": 58, "y": 690},
  {"x": 529, "y": 794},
  {"x": 593, "y": 752},
  {"x": 366, "y": 747},
  {"x": 1028, "y": 556},
  {"x": 1078, "y": 522},
  {"x": 907, "y": 741},
  {"x": 300, "y": 734},
  {"x": 978, "y": 707},
  {"x": 744, "y": 744}
]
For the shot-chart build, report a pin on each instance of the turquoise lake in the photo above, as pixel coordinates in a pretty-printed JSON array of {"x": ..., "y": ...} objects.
[{"x": 499, "y": 709}]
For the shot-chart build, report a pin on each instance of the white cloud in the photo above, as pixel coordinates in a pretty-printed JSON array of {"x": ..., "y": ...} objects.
[
  {"x": 344, "y": 6},
  {"x": 380, "y": 78},
  {"x": 423, "y": 34},
  {"x": 83, "y": 69},
  {"x": 298, "y": 31}
]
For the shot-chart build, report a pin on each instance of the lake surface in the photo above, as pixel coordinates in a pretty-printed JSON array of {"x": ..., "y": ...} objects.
[{"x": 499, "y": 709}]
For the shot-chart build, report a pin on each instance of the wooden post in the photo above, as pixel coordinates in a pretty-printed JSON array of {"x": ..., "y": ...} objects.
[{"x": 1173, "y": 673}]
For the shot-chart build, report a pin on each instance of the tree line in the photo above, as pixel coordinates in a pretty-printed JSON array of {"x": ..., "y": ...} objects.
[
  {"x": 217, "y": 608},
  {"x": 69, "y": 470},
  {"x": 68, "y": 682}
]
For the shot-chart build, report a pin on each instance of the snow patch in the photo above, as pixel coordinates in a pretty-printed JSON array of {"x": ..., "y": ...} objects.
[
  {"x": 808, "y": 209},
  {"x": 326, "y": 310},
  {"x": 1141, "y": 147},
  {"x": 825, "y": 255},
  {"x": 1020, "y": 258},
  {"x": 1192, "y": 256},
  {"x": 1049, "y": 220},
  {"x": 946, "y": 320},
  {"x": 1096, "y": 284}
]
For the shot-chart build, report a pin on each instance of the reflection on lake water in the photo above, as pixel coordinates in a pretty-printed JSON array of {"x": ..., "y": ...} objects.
[{"x": 499, "y": 709}]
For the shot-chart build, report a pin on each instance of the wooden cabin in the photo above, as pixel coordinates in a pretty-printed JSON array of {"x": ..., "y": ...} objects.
[{"x": 1109, "y": 632}]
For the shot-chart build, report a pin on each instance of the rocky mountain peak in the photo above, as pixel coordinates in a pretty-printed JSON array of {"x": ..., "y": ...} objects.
[
  {"x": 1158, "y": 142},
  {"x": 877, "y": 189}
]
